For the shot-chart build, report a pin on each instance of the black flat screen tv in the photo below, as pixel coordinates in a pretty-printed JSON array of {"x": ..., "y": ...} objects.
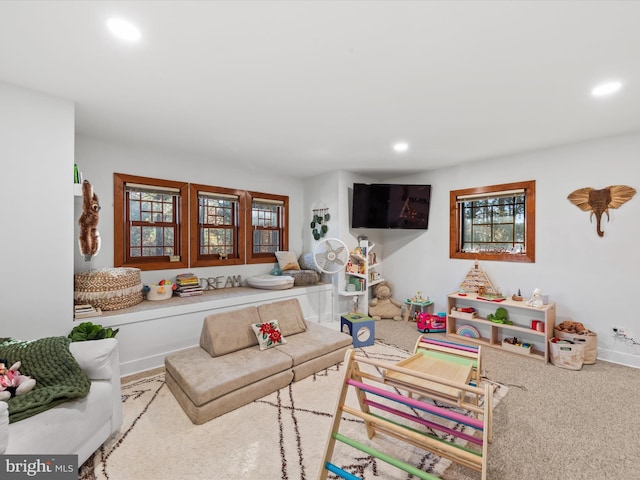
[{"x": 387, "y": 205}]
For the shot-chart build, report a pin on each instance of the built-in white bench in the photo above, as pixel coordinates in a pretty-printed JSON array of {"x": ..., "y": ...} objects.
[{"x": 150, "y": 330}]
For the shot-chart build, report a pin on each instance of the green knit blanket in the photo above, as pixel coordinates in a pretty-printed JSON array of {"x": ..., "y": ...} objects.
[{"x": 58, "y": 376}]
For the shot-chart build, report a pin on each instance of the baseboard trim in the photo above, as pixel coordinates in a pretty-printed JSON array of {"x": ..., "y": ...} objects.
[{"x": 621, "y": 358}]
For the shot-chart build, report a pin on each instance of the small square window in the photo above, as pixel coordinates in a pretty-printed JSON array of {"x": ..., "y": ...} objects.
[{"x": 493, "y": 223}]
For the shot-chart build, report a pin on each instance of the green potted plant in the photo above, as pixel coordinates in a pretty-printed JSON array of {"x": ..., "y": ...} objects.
[{"x": 90, "y": 331}]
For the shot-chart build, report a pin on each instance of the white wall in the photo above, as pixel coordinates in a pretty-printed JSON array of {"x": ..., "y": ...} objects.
[
  {"x": 592, "y": 280},
  {"x": 334, "y": 191},
  {"x": 99, "y": 160},
  {"x": 36, "y": 194}
]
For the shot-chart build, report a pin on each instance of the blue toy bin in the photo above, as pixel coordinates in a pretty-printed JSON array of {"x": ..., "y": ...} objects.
[{"x": 430, "y": 323}]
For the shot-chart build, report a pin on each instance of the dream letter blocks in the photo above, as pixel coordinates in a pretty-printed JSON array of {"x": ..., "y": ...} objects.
[{"x": 360, "y": 327}]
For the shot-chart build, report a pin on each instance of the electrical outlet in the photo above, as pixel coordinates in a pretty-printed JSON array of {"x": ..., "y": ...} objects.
[{"x": 618, "y": 331}]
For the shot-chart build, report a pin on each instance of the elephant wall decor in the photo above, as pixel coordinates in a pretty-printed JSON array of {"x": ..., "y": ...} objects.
[{"x": 600, "y": 201}]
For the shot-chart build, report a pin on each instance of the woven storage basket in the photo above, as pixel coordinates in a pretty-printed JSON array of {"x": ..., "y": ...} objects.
[{"x": 108, "y": 288}]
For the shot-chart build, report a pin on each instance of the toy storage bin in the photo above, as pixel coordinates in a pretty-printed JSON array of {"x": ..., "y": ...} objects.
[
  {"x": 589, "y": 340},
  {"x": 565, "y": 354},
  {"x": 430, "y": 323},
  {"x": 522, "y": 349}
]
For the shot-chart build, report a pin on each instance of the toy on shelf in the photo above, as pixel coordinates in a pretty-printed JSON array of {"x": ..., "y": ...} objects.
[
  {"x": 501, "y": 316},
  {"x": 477, "y": 281},
  {"x": 536, "y": 299}
]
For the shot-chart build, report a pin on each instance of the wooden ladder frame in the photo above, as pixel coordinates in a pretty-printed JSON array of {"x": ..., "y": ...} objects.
[{"x": 369, "y": 387}]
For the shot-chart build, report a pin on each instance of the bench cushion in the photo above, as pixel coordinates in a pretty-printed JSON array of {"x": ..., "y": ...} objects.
[
  {"x": 204, "y": 378},
  {"x": 288, "y": 314},
  {"x": 316, "y": 342},
  {"x": 227, "y": 332}
]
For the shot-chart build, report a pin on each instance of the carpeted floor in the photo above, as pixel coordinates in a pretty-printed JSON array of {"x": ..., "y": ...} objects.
[
  {"x": 281, "y": 436},
  {"x": 554, "y": 424}
]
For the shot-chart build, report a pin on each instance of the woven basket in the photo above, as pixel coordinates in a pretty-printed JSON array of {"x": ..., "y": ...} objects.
[{"x": 108, "y": 288}]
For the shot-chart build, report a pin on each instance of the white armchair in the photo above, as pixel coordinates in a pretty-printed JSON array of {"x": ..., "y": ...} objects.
[{"x": 85, "y": 423}]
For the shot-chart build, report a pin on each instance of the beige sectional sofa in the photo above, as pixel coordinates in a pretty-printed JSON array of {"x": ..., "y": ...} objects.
[{"x": 229, "y": 370}]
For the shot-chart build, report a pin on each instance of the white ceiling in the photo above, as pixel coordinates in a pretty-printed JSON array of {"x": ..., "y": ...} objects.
[{"x": 304, "y": 87}]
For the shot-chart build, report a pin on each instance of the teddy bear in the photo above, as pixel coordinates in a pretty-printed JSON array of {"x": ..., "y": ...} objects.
[
  {"x": 12, "y": 382},
  {"x": 382, "y": 305},
  {"x": 89, "y": 239}
]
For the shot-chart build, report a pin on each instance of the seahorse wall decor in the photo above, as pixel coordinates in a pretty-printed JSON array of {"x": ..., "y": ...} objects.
[{"x": 600, "y": 201}]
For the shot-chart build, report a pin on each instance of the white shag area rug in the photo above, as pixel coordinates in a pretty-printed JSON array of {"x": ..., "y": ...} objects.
[{"x": 281, "y": 436}]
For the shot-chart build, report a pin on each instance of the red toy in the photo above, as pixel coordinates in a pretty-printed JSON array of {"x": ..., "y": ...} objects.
[{"x": 429, "y": 323}]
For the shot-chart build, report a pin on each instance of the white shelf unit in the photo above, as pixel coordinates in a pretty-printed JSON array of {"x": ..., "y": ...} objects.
[
  {"x": 365, "y": 279},
  {"x": 492, "y": 334}
]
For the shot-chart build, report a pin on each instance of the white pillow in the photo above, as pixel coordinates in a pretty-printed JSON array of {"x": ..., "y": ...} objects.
[{"x": 287, "y": 261}]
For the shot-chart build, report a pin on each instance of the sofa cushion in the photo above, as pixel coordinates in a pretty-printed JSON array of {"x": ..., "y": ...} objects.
[
  {"x": 288, "y": 314},
  {"x": 317, "y": 341},
  {"x": 64, "y": 429},
  {"x": 268, "y": 334},
  {"x": 227, "y": 332},
  {"x": 204, "y": 378},
  {"x": 94, "y": 357}
]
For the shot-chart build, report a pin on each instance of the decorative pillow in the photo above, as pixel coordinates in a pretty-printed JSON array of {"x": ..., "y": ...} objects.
[
  {"x": 306, "y": 262},
  {"x": 268, "y": 334},
  {"x": 287, "y": 261}
]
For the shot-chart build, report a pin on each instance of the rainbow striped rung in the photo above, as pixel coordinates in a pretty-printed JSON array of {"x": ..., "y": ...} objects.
[
  {"x": 340, "y": 472},
  {"x": 441, "y": 412},
  {"x": 385, "y": 458},
  {"x": 444, "y": 343}
]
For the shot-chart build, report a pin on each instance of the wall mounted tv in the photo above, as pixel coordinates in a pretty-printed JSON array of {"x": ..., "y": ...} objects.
[{"x": 386, "y": 205}]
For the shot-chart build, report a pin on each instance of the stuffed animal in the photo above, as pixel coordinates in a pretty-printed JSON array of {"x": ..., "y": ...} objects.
[
  {"x": 569, "y": 326},
  {"x": 501, "y": 316},
  {"x": 383, "y": 306},
  {"x": 12, "y": 382},
  {"x": 89, "y": 239}
]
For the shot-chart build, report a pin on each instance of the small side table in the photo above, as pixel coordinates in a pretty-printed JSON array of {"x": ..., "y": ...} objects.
[{"x": 413, "y": 308}]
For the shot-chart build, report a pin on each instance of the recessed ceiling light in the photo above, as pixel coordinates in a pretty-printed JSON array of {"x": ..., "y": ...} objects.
[
  {"x": 401, "y": 146},
  {"x": 124, "y": 29},
  {"x": 606, "y": 89}
]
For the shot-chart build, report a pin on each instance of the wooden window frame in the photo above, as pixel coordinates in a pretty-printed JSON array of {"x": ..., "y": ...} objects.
[
  {"x": 284, "y": 227},
  {"x": 200, "y": 260},
  {"x": 121, "y": 232},
  {"x": 455, "y": 240}
]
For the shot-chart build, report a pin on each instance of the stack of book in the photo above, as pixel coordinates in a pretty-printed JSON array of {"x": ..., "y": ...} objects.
[
  {"x": 188, "y": 285},
  {"x": 86, "y": 311}
]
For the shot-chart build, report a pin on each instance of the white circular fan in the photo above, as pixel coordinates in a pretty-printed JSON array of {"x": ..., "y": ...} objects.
[{"x": 330, "y": 255}]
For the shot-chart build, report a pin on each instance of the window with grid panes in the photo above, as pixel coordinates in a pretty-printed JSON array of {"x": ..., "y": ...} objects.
[
  {"x": 148, "y": 231},
  {"x": 269, "y": 226},
  {"x": 217, "y": 226},
  {"x": 494, "y": 222}
]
